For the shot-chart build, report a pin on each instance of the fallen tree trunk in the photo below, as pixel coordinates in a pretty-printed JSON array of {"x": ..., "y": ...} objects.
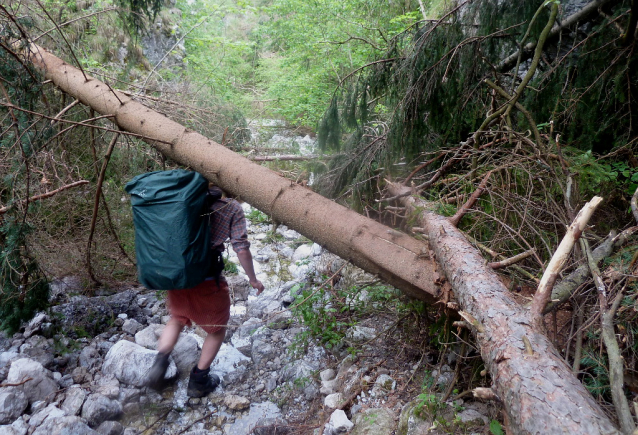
[
  {"x": 538, "y": 390},
  {"x": 395, "y": 257},
  {"x": 538, "y": 395}
]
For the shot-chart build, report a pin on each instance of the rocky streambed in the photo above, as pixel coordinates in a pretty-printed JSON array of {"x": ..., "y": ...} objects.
[{"x": 80, "y": 367}]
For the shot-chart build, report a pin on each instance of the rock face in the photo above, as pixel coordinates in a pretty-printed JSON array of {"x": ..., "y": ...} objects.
[{"x": 130, "y": 363}]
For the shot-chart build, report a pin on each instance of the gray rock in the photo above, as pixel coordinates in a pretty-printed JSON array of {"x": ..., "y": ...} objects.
[
  {"x": 236, "y": 403},
  {"x": 186, "y": 353},
  {"x": 94, "y": 315},
  {"x": 109, "y": 386},
  {"x": 328, "y": 375},
  {"x": 262, "y": 351},
  {"x": 302, "y": 252},
  {"x": 89, "y": 357},
  {"x": 110, "y": 428},
  {"x": 339, "y": 423},
  {"x": 383, "y": 385},
  {"x": 13, "y": 402},
  {"x": 410, "y": 423},
  {"x": 45, "y": 414},
  {"x": 360, "y": 334},
  {"x": 131, "y": 326},
  {"x": 35, "y": 324},
  {"x": 74, "y": 400},
  {"x": 472, "y": 417},
  {"x": 380, "y": 421},
  {"x": 98, "y": 408},
  {"x": 71, "y": 425},
  {"x": 229, "y": 360},
  {"x": 61, "y": 289},
  {"x": 149, "y": 336},
  {"x": 18, "y": 427},
  {"x": 130, "y": 363},
  {"x": 258, "y": 412},
  {"x": 40, "y": 387},
  {"x": 238, "y": 287},
  {"x": 332, "y": 401}
]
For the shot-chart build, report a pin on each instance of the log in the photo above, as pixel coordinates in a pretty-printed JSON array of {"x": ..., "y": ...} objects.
[
  {"x": 541, "y": 297},
  {"x": 395, "y": 257},
  {"x": 539, "y": 392}
]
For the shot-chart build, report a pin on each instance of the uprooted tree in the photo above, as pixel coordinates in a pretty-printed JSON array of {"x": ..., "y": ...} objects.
[{"x": 537, "y": 388}]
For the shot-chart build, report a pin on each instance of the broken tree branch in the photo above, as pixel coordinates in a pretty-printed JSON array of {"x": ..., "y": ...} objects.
[
  {"x": 48, "y": 194},
  {"x": 541, "y": 297},
  {"x": 509, "y": 261},
  {"x": 564, "y": 289},
  {"x": 470, "y": 202}
]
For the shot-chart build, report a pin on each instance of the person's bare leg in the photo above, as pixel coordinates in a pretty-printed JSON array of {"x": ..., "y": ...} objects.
[
  {"x": 211, "y": 346},
  {"x": 169, "y": 336}
]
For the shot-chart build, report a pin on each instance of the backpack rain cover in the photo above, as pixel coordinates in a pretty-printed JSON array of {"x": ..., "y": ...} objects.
[{"x": 171, "y": 228}]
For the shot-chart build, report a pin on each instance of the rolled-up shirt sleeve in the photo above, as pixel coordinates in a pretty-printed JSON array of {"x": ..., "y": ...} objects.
[{"x": 238, "y": 231}]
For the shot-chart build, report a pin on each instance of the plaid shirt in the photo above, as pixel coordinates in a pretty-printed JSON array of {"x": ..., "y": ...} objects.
[{"x": 228, "y": 222}]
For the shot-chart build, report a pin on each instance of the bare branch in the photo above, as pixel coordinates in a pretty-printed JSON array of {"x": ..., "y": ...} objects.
[{"x": 3, "y": 210}]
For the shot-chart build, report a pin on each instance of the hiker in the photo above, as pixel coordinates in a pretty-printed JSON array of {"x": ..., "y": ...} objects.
[{"x": 207, "y": 304}]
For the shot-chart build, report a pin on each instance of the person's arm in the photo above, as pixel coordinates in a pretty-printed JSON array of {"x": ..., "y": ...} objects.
[{"x": 246, "y": 261}]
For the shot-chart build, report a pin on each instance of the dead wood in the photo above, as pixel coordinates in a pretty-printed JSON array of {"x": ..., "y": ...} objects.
[
  {"x": 393, "y": 256},
  {"x": 3, "y": 210},
  {"x": 538, "y": 391},
  {"x": 470, "y": 202},
  {"x": 564, "y": 289},
  {"x": 542, "y": 295},
  {"x": 512, "y": 260}
]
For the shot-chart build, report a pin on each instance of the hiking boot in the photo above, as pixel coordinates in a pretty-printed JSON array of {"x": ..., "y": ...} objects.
[
  {"x": 201, "y": 383},
  {"x": 156, "y": 375}
]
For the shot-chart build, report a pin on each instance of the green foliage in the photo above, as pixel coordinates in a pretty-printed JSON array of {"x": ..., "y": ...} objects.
[
  {"x": 496, "y": 428},
  {"x": 596, "y": 377},
  {"x": 320, "y": 320},
  {"x": 258, "y": 217},
  {"x": 230, "y": 267},
  {"x": 427, "y": 405},
  {"x": 136, "y": 10},
  {"x": 431, "y": 79},
  {"x": 23, "y": 289}
]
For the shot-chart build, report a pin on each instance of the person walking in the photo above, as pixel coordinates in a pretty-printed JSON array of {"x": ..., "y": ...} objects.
[{"x": 207, "y": 304}]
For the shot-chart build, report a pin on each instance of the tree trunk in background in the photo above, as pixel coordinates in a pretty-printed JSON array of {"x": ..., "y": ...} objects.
[
  {"x": 537, "y": 388},
  {"x": 538, "y": 391},
  {"x": 393, "y": 256}
]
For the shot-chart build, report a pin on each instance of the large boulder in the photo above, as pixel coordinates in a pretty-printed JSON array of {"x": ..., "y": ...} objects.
[
  {"x": 98, "y": 408},
  {"x": 149, "y": 336},
  {"x": 13, "y": 402},
  {"x": 40, "y": 385},
  {"x": 130, "y": 363}
]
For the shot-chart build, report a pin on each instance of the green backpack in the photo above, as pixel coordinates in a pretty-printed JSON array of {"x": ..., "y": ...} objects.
[{"x": 171, "y": 228}]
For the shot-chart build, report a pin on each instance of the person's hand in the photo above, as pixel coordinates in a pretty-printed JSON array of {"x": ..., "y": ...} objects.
[{"x": 256, "y": 284}]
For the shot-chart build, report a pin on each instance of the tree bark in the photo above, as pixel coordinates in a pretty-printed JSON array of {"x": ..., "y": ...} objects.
[
  {"x": 395, "y": 257},
  {"x": 540, "y": 394},
  {"x": 539, "y": 391}
]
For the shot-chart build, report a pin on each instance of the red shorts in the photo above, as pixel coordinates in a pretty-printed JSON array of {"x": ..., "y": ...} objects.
[{"x": 207, "y": 305}]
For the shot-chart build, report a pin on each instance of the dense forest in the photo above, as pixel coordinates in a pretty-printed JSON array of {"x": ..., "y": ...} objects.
[{"x": 509, "y": 119}]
